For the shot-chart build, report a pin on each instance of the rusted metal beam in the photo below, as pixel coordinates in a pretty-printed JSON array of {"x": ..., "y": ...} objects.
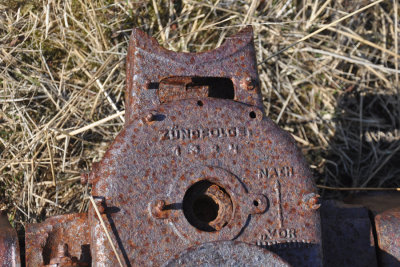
[{"x": 59, "y": 241}]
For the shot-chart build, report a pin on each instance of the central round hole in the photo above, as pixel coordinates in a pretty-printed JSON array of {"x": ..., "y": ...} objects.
[
  {"x": 201, "y": 205},
  {"x": 205, "y": 209}
]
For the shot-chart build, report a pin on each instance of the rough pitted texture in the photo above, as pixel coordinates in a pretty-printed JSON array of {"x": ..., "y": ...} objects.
[
  {"x": 164, "y": 149},
  {"x": 227, "y": 254},
  {"x": 193, "y": 168},
  {"x": 388, "y": 235}
]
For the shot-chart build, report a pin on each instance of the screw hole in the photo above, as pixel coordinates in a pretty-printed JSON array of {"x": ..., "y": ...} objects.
[
  {"x": 252, "y": 115},
  {"x": 255, "y": 202},
  {"x": 200, "y": 103}
]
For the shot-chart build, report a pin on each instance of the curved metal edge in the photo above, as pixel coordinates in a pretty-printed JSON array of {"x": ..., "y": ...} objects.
[{"x": 9, "y": 247}]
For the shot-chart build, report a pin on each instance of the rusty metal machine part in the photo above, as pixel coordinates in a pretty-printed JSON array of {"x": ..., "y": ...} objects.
[
  {"x": 9, "y": 246},
  {"x": 200, "y": 165},
  {"x": 196, "y": 163},
  {"x": 197, "y": 176},
  {"x": 62, "y": 240},
  {"x": 227, "y": 253}
]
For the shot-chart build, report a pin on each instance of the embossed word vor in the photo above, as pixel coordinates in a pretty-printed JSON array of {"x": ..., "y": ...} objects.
[{"x": 281, "y": 233}]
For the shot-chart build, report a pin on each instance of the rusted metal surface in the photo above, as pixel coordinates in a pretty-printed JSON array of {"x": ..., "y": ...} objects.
[
  {"x": 200, "y": 176},
  {"x": 388, "y": 236},
  {"x": 175, "y": 88},
  {"x": 227, "y": 253},
  {"x": 148, "y": 64},
  {"x": 59, "y": 241},
  {"x": 9, "y": 247},
  {"x": 198, "y": 162}
]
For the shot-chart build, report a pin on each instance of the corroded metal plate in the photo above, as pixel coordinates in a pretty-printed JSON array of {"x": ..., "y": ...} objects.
[
  {"x": 218, "y": 141},
  {"x": 227, "y": 253},
  {"x": 197, "y": 163}
]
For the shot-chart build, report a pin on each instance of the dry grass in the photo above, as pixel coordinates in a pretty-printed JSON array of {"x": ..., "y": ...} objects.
[{"x": 62, "y": 80}]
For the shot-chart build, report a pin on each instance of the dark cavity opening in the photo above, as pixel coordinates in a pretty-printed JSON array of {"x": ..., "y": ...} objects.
[
  {"x": 153, "y": 85},
  {"x": 218, "y": 87},
  {"x": 205, "y": 209},
  {"x": 185, "y": 87},
  {"x": 198, "y": 208},
  {"x": 252, "y": 115}
]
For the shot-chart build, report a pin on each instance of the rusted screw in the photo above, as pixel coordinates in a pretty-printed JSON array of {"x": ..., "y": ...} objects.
[
  {"x": 100, "y": 205},
  {"x": 158, "y": 209},
  {"x": 311, "y": 201},
  {"x": 62, "y": 258},
  {"x": 247, "y": 83},
  {"x": 149, "y": 117},
  {"x": 160, "y": 205}
]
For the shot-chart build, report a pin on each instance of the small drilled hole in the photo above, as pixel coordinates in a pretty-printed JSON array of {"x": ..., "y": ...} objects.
[
  {"x": 255, "y": 202},
  {"x": 252, "y": 115},
  {"x": 200, "y": 103}
]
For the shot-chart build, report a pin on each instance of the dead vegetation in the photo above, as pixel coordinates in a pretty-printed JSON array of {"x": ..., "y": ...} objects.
[{"x": 62, "y": 80}]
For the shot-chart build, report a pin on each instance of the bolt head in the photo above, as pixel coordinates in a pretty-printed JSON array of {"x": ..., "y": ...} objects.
[
  {"x": 100, "y": 205},
  {"x": 158, "y": 209},
  {"x": 149, "y": 117},
  {"x": 247, "y": 83},
  {"x": 311, "y": 201}
]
